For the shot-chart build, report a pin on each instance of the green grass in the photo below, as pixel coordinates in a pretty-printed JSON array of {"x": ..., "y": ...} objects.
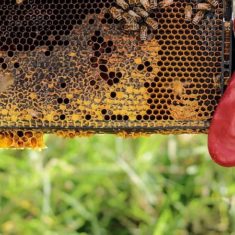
[{"x": 106, "y": 185}]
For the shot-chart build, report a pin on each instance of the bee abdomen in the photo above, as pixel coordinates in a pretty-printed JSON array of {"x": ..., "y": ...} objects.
[
  {"x": 153, "y": 4},
  {"x": 198, "y": 17},
  {"x": 131, "y": 26},
  {"x": 152, "y": 23},
  {"x": 116, "y": 13},
  {"x": 134, "y": 15},
  {"x": 188, "y": 13},
  {"x": 204, "y": 6},
  {"x": 141, "y": 12},
  {"x": 143, "y": 32},
  {"x": 124, "y": 5},
  {"x": 166, "y": 3},
  {"x": 145, "y": 4},
  {"x": 214, "y": 3}
]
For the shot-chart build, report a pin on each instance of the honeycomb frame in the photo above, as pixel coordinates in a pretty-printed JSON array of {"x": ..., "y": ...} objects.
[{"x": 67, "y": 67}]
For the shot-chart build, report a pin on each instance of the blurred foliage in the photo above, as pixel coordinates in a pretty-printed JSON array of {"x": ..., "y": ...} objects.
[{"x": 105, "y": 185}]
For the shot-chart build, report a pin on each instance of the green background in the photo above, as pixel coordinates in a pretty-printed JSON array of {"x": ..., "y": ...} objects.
[{"x": 108, "y": 185}]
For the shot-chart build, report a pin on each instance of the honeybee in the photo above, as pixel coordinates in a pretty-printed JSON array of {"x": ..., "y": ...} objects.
[
  {"x": 227, "y": 26},
  {"x": 198, "y": 17},
  {"x": 34, "y": 114},
  {"x": 6, "y": 80},
  {"x": 131, "y": 26},
  {"x": 143, "y": 32},
  {"x": 178, "y": 88},
  {"x": 122, "y": 4},
  {"x": 19, "y": 1},
  {"x": 214, "y": 3},
  {"x": 204, "y": 6},
  {"x": 128, "y": 18},
  {"x": 166, "y": 3},
  {"x": 153, "y": 4},
  {"x": 217, "y": 82},
  {"x": 152, "y": 23},
  {"x": 134, "y": 2},
  {"x": 134, "y": 15},
  {"x": 141, "y": 12},
  {"x": 145, "y": 4},
  {"x": 188, "y": 13},
  {"x": 116, "y": 13}
]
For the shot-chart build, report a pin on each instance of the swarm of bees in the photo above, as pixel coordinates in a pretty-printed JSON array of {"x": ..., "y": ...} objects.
[
  {"x": 135, "y": 14},
  {"x": 202, "y": 9}
]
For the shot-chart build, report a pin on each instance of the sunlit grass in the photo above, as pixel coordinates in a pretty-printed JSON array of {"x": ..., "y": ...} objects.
[{"x": 108, "y": 185}]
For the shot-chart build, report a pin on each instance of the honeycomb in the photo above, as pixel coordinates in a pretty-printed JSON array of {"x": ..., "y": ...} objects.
[{"x": 68, "y": 67}]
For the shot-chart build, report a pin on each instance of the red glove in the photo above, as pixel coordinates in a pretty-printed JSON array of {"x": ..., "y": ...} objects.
[{"x": 221, "y": 138}]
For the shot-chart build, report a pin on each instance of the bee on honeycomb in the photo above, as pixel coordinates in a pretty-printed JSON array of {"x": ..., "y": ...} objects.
[
  {"x": 135, "y": 14},
  {"x": 19, "y": 1},
  {"x": 202, "y": 8}
]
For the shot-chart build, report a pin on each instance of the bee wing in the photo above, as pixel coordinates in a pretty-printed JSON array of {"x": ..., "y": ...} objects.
[
  {"x": 145, "y": 4},
  {"x": 153, "y": 4},
  {"x": 131, "y": 26},
  {"x": 166, "y": 3},
  {"x": 198, "y": 17},
  {"x": 135, "y": 16},
  {"x": 123, "y": 4},
  {"x": 116, "y": 13},
  {"x": 141, "y": 12},
  {"x": 152, "y": 23},
  {"x": 188, "y": 12}
]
